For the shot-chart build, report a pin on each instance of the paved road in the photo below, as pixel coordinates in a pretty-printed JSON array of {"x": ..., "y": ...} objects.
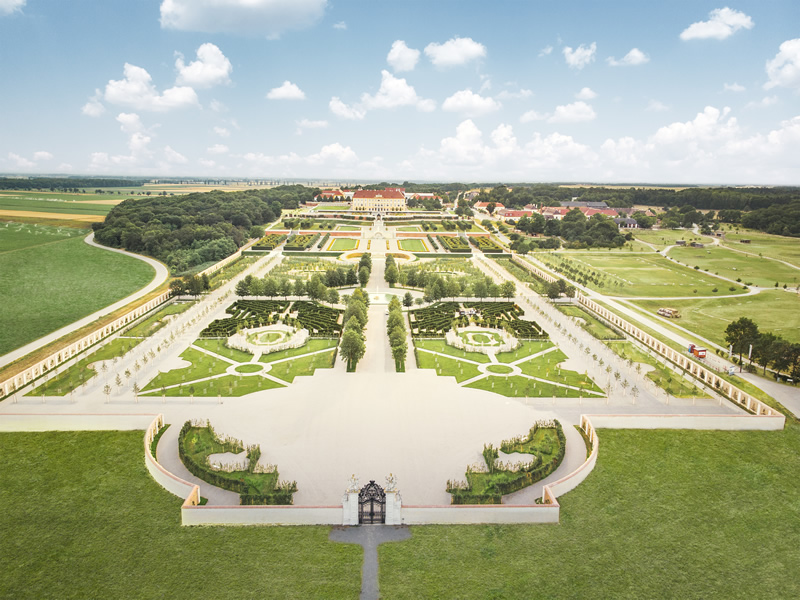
[{"x": 160, "y": 276}]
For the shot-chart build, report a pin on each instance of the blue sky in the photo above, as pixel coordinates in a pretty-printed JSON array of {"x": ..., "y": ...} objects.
[{"x": 623, "y": 91}]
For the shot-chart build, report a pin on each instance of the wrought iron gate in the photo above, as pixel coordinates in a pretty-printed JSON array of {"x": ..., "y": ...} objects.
[{"x": 372, "y": 504}]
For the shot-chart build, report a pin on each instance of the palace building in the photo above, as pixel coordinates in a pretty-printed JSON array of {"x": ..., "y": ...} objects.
[{"x": 379, "y": 200}]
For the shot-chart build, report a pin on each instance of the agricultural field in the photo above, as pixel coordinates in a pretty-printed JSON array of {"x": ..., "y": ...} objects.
[
  {"x": 49, "y": 280},
  {"x": 773, "y": 246},
  {"x": 84, "y": 505},
  {"x": 343, "y": 244},
  {"x": 11, "y": 204},
  {"x": 412, "y": 245},
  {"x": 774, "y": 311},
  {"x": 661, "y": 238},
  {"x": 762, "y": 272},
  {"x": 636, "y": 275}
]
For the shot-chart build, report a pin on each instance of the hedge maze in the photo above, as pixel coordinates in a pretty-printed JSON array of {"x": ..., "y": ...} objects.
[
  {"x": 434, "y": 321},
  {"x": 320, "y": 321},
  {"x": 454, "y": 244},
  {"x": 485, "y": 244},
  {"x": 301, "y": 242},
  {"x": 269, "y": 242}
]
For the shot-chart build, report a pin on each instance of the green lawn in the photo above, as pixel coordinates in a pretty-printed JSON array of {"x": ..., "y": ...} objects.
[
  {"x": 665, "y": 378},
  {"x": 661, "y": 238},
  {"x": 525, "y": 349},
  {"x": 305, "y": 365},
  {"x": 343, "y": 244},
  {"x": 589, "y": 322},
  {"x": 152, "y": 324},
  {"x": 447, "y": 366},
  {"x": 82, "y": 518},
  {"x": 348, "y": 228},
  {"x": 410, "y": 229},
  {"x": 412, "y": 245},
  {"x": 643, "y": 275},
  {"x": 439, "y": 345},
  {"x": 202, "y": 366},
  {"x": 312, "y": 345},
  {"x": 775, "y": 311},
  {"x": 218, "y": 347},
  {"x": 762, "y": 272},
  {"x": 775, "y": 246},
  {"x": 689, "y": 527},
  {"x": 45, "y": 287},
  {"x": 522, "y": 387}
]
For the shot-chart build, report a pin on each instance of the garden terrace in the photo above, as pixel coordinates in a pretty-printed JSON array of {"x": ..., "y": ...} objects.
[
  {"x": 301, "y": 242},
  {"x": 433, "y": 321},
  {"x": 454, "y": 244},
  {"x": 269, "y": 242},
  {"x": 485, "y": 244},
  {"x": 320, "y": 321},
  {"x": 545, "y": 444}
]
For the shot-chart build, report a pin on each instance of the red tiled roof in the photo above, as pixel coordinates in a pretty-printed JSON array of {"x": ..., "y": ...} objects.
[
  {"x": 391, "y": 194},
  {"x": 485, "y": 204},
  {"x": 514, "y": 214}
]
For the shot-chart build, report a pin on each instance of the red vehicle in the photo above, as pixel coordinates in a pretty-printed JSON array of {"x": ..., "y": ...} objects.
[{"x": 697, "y": 351}]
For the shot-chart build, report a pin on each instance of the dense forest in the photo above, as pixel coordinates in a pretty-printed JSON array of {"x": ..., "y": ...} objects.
[
  {"x": 779, "y": 219},
  {"x": 68, "y": 184},
  {"x": 186, "y": 231}
]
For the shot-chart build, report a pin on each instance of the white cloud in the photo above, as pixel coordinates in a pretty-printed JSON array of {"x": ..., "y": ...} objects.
[
  {"x": 206, "y": 162},
  {"x": 506, "y": 95},
  {"x": 586, "y": 94},
  {"x": 401, "y": 57},
  {"x": 287, "y": 91},
  {"x": 137, "y": 90},
  {"x": 130, "y": 122},
  {"x": 394, "y": 92},
  {"x": 94, "y": 108},
  {"x": 211, "y": 68},
  {"x": 222, "y": 132},
  {"x": 656, "y": 106},
  {"x": 733, "y": 87},
  {"x": 576, "y": 112},
  {"x": 632, "y": 59},
  {"x": 547, "y": 50},
  {"x": 456, "y": 51},
  {"x": 344, "y": 111},
  {"x": 20, "y": 161},
  {"x": 217, "y": 149},
  {"x": 341, "y": 25},
  {"x": 580, "y": 56},
  {"x": 765, "y": 102},
  {"x": 708, "y": 126},
  {"x": 174, "y": 157},
  {"x": 9, "y": 6},
  {"x": 217, "y": 106},
  {"x": 784, "y": 69},
  {"x": 532, "y": 115},
  {"x": 42, "y": 155},
  {"x": 251, "y": 17},
  {"x": 624, "y": 152},
  {"x": 333, "y": 153},
  {"x": 304, "y": 124},
  {"x": 722, "y": 23},
  {"x": 470, "y": 104}
]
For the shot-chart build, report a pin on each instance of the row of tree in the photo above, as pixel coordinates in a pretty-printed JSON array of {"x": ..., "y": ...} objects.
[
  {"x": 768, "y": 350},
  {"x": 352, "y": 346},
  {"x": 65, "y": 184},
  {"x": 396, "y": 330}
]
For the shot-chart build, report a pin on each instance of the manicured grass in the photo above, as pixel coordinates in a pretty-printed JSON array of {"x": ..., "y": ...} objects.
[
  {"x": 546, "y": 367},
  {"x": 775, "y": 246},
  {"x": 44, "y": 288},
  {"x": 734, "y": 265},
  {"x": 412, "y": 245},
  {"x": 348, "y": 228},
  {"x": 447, "y": 366},
  {"x": 665, "y": 378},
  {"x": 661, "y": 238},
  {"x": 202, "y": 366},
  {"x": 82, "y": 518},
  {"x": 305, "y": 365},
  {"x": 411, "y": 229},
  {"x": 522, "y": 387},
  {"x": 218, "y": 347},
  {"x": 312, "y": 345},
  {"x": 439, "y": 345},
  {"x": 525, "y": 349},
  {"x": 589, "y": 322},
  {"x": 664, "y": 514},
  {"x": 81, "y": 372},
  {"x": 343, "y": 244},
  {"x": 499, "y": 369},
  {"x": 774, "y": 311},
  {"x": 152, "y": 324},
  {"x": 645, "y": 275},
  {"x": 249, "y": 368},
  {"x": 16, "y": 236}
]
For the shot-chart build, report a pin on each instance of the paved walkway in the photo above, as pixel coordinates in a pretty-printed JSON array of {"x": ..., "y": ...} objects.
[
  {"x": 369, "y": 537},
  {"x": 160, "y": 276}
]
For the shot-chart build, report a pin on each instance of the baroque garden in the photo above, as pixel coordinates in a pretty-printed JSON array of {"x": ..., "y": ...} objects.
[{"x": 407, "y": 364}]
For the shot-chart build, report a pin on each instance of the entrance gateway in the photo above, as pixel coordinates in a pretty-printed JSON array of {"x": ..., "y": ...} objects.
[{"x": 371, "y": 504}]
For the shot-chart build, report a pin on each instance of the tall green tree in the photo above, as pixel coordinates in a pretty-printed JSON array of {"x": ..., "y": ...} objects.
[
  {"x": 363, "y": 276},
  {"x": 740, "y": 334},
  {"x": 351, "y": 348},
  {"x": 391, "y": 275}
]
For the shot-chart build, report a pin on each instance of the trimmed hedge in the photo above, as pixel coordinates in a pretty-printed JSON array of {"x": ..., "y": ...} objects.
[
  {"x": 433, "y": 321},
  {"x": 301, "y": 242},
  {"x": 269, "y": 242},
  {"x": 454, "y": 244},
  {"x": 485, "y": 245}
]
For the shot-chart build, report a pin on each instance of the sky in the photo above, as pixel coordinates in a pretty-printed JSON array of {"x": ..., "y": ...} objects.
[{"x": 678, "y": 91}]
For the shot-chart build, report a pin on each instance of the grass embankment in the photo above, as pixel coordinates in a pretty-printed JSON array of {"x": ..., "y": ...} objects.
[
  {"x": 82, "y": 518},
  {"x": 664, "y": 514},
  {"x": 48, "y": 286},
  {"x": 664, "y": 377}
]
